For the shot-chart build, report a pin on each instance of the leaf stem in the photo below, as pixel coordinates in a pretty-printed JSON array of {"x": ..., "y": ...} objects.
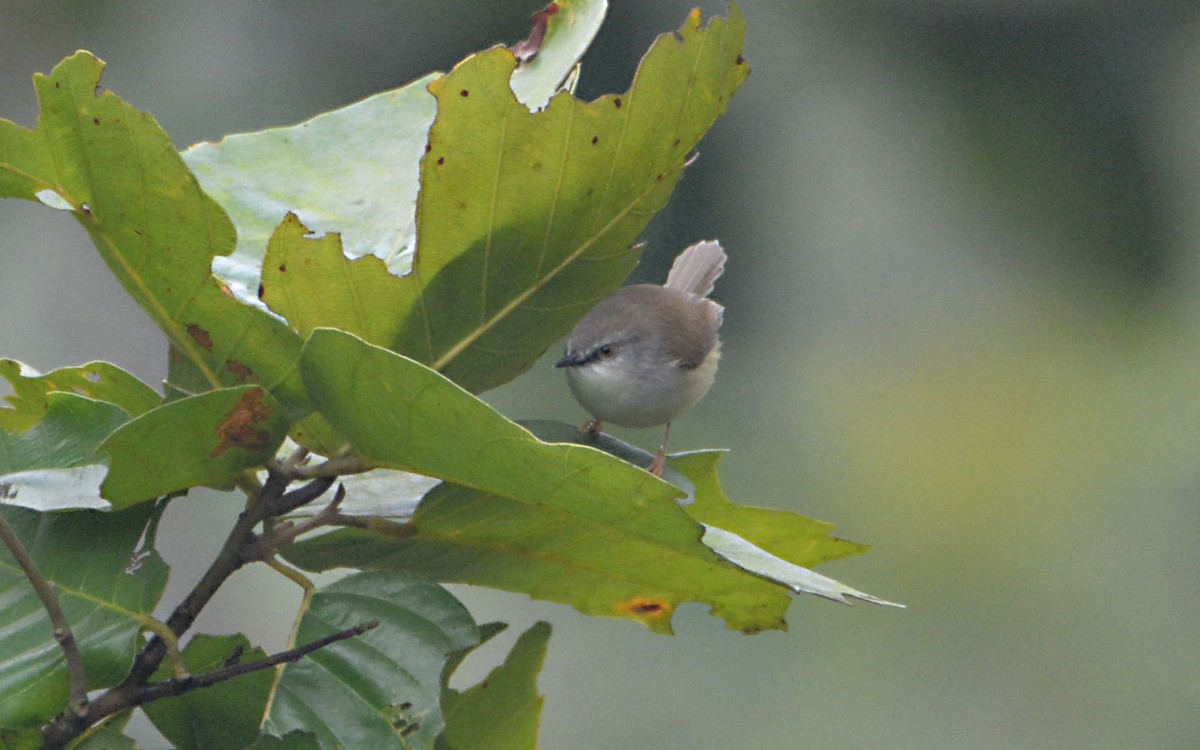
[
  {"x": 62, "y": 629},
  {"x": 308, "y": 588},
  {"x": 168, "y": 637}
]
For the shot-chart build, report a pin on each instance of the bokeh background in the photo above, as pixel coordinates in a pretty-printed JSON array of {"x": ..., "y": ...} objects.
[{"x": 962, "y": 323}]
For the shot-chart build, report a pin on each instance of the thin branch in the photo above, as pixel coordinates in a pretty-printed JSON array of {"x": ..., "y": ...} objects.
[
  {"x": 264, "y": 502},
  {"x": 208, "y": 679},
  {"x": 62, "y": 629},
  {"x": 298, "y": 458},
  {"x": 300, "y": 496},
  {"x": 287, "y": 533},
  {"x": 341, "y": 465}
]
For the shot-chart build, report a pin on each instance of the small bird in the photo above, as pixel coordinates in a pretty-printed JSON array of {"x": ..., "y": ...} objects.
[{"x": 646, "y": 354}]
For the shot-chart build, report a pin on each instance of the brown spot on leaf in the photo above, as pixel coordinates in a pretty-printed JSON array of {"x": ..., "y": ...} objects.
[
  {"x": 595, "y": 139},
  {"x": 441, "y": 160},
  {"x": 428, "y": 147},
  {"x": 239, "y": 428},
  {"x": 644, "y": 607},
  {"x": 261, "y": 290},
  {"x": 526, "y": 49},
  {"x": 95, "y": 120},
  {"x": 241, "y": 371},
  {"x": 200, "y": 336},
  {"x": 464, "y": 93},
  {"x": 617, "y": 102},
  {"x": 739, "y": 61},
  {"x": 283, "y": 267}
]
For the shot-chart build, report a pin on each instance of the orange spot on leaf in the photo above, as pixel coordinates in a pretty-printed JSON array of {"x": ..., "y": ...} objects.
[
  {"x": 239, "y": 428},
  {"x": 644, "y": 607}
]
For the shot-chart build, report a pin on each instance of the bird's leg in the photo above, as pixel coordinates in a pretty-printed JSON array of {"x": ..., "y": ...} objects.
[
  {"x": 591, "y": 428},
  {"x": 660, "y": 459}
]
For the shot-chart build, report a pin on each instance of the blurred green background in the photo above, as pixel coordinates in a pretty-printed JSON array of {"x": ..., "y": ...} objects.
[{"x": 962, "y": 323}]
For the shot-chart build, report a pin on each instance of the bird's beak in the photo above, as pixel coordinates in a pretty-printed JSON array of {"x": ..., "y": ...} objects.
[{"x": 570, "y": 360}]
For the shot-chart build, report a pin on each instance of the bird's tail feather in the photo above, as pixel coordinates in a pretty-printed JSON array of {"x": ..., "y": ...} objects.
[{"x": 697, "y": 268}]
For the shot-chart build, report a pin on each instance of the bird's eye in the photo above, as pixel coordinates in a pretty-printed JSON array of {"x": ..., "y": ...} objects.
[{"x": 606, "y": 351}]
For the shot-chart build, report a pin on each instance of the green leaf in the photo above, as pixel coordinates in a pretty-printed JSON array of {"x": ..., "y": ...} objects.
[
  {"x": 561, "y": 522},
  {"x": 774, "y": 544},
  {"x": 290, "y": 741},
  {"x": 20, "y": 739},
  {"x": 800, "y": 540},
  {"x": 503, "y": 711},
  {"x": 296, "y": 284},
  {"x": 116, "y": 170},
  {"x": 97, "y": 380},
  {"x": 355, "y": 170},
  {"x": 201, "y": 440},
  {"x": 525, "y": 219},
  {"x": 106, "y": 584},
  {"x": 224, "y": 715},
  {"x": 106, "y": 737},
  {"x": 560, "y": 432},
  {"x": 379, "y": 690},
  {"x": 396, "y": 414},
  {"x": 54, "y": 464}
]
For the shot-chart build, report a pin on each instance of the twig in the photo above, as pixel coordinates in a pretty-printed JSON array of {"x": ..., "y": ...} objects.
[
  {"x": 62, "y": 629},
  {"x": 340, "y": 465},
  {"x": 299, "y": 496},
  {"x": 296, "y": 460},
  {"x": 287, "y": 533},
  {"x": 240, "y": 547},
  {"x": 208, "y": 679}
]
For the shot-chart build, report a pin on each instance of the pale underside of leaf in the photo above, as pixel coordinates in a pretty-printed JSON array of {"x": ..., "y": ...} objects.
[
  {"x": 754, "y": 559},
  {"x": 355, "y": 170}
]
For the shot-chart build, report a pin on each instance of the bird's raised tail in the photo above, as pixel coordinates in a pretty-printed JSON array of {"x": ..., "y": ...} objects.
[{"x": 697, "y": 268}]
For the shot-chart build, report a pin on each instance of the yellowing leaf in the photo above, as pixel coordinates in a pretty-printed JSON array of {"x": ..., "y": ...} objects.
[
  {"x": 524, "y": 219},
  {"x": 118, "y": 173}
]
